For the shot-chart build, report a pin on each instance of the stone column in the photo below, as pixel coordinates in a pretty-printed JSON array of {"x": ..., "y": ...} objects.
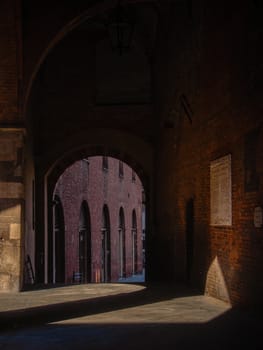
[{"x": 11, "y": 208}]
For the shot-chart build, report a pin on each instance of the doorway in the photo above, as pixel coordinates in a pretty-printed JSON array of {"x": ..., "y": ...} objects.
[
  {"x": 134, "y": 244},
  {"x": 105, "y": 247},
  {"x": 85, "y": 244},
  {"x": 122, "y": 245},
  {"x": 58, "y": 251}
]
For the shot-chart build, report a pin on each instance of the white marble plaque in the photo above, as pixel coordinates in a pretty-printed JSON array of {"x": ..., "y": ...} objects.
[{"x": 221, "y": 192}]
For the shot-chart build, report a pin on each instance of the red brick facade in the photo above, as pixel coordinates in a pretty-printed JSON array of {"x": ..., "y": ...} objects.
[
  {"x": 89, "y": 182},
  {"x": 215, "y": 113}
]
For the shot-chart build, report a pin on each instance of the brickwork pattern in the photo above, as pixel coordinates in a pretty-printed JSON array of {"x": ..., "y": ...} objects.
[
  {"x": 226, "y": 260},
  {"x": 87, "y": 181}
]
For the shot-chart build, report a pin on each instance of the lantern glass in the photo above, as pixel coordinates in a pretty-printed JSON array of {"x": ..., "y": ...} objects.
[{"x": 120, "y": 30}]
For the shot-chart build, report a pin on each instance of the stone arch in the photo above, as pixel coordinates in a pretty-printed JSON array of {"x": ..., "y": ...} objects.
[
  {"x": 112, "y": 143},
  {"x": 77, "y": 16},
  {"x": 65, "y": 28},
  {"x": 135, "y": 152},
  {"x": 58, "y": 147}
]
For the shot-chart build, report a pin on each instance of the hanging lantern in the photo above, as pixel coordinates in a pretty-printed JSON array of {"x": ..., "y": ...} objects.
[{"x": 121, "y": 27}]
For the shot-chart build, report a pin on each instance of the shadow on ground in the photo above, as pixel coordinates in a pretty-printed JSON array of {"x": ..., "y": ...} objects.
[
  {"x": 63, "y": 326},
  {"x": 91, "y": 306}
]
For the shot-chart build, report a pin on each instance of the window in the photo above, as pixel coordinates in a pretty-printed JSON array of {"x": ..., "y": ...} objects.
[{"x": 105, "y": 246}]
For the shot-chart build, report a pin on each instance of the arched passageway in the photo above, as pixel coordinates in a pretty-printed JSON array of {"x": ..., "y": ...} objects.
[
  {"x": 43, "y": 269},
  {"x": 88, "y": 100},
  {"x": 58, "y": 143},
  {"x": 105, "y": 246},
  {"x": 103, "y": 225}
]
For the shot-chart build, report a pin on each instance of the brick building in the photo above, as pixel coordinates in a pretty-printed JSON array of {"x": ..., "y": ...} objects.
[
  {"x": 182, "y": 106},
  {"x": 97, "y": 222}
]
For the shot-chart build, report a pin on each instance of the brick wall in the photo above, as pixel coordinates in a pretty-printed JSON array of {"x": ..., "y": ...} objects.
[
  {"x": 87, "y": 181},
  {"x": 225, "y": 260}
]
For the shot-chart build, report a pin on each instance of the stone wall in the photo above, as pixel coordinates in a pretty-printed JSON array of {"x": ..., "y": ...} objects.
[
  {"x": 11, "y": 209},
  {"x": 11, "y": 148}
]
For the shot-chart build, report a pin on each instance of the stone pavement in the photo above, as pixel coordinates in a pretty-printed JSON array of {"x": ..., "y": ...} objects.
[{"x": 129, "y": 316}]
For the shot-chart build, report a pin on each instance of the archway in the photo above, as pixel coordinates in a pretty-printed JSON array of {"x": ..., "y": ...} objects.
[
  {"x": 105, "y": 246},
  {"x": 122, "y": 245},
  {"x": 97, "y": 128},
  {"x": 134, "y": 243},
  {"x": 85, "y": 268},
  {"x": 132, "y": 175},
  {"x": 58, "y": 243}
]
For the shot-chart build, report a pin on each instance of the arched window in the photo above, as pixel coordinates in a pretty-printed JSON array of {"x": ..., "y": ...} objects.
[
  {"x": 106, "y": 247},
  {"x": 84, "y": 244},
  {"x": 122, "y": 243},
  {"x": 58, "y": 242},
  {"x": 134, "y": 243}
]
